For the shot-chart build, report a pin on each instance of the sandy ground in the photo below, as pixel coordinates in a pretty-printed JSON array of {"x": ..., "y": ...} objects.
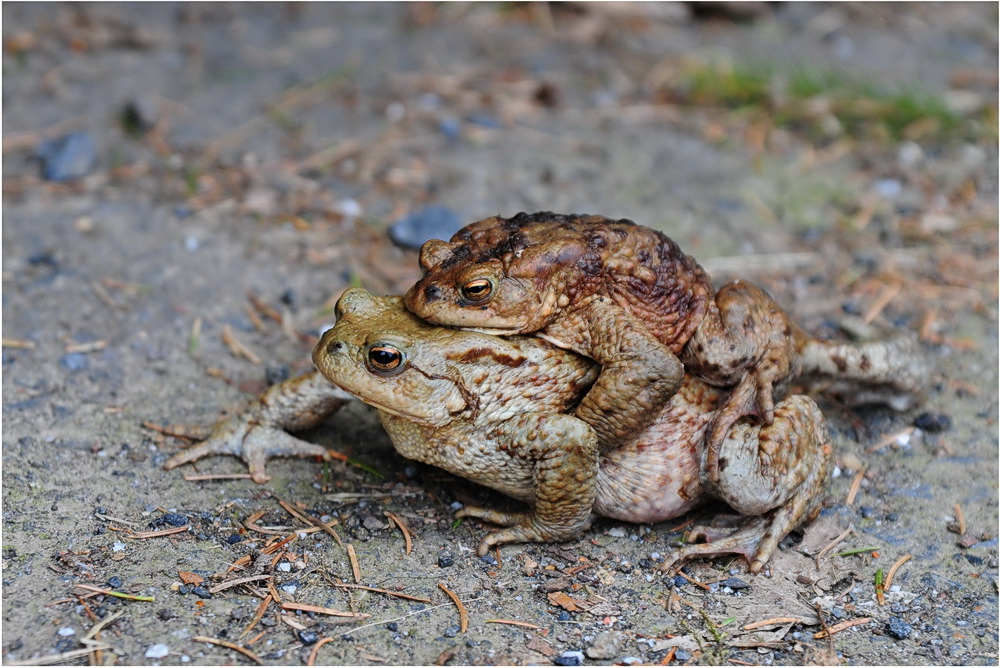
[{"x": 266, "y": 149}]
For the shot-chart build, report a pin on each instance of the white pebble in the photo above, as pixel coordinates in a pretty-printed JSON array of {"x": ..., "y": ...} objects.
[
  {"x": 157, "y": 651},
  {"x": 285, "y": 567},
  {"x": 66, "y": 631}
]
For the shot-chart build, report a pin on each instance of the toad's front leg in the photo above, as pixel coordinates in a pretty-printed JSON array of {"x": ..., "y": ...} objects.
[
  {"x": 639, "y": 374},
  {"x": 776, "y": 475},
  {"x": 562, "y": 451},
  {"x": 746, "y": 340},
  {"x": 261, "y": 430}
]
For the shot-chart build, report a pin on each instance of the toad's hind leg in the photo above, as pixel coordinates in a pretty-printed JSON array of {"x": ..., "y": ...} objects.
[
  {"x": 776, "y": 474},
  {"x": 746, "y": 340}
]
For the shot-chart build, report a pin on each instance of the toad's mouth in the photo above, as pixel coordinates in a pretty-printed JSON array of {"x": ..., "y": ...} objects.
[{"x": 494, "y": 331}]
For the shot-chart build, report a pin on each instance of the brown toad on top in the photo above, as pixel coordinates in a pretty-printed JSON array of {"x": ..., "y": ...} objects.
[
  {"x": 499, "y": 412},
  {"x": 629, "y": 298}
]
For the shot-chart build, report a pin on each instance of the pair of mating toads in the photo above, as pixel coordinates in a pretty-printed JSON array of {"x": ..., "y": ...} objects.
[{"x": 641, "y": 394}]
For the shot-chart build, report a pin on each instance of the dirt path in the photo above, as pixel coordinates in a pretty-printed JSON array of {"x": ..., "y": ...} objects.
[{"x": 845, "y": 157}]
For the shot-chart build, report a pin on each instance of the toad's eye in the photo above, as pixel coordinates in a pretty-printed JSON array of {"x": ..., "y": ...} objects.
[
  {"x": 477, "y": 290},
  {"x": 384, "y": 359}
]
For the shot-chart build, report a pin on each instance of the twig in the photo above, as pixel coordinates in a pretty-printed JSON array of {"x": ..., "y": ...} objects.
[
  {"x": 892, "y": 571},
  {"x": 315, "y": 650},
  {"x": 960, "y": 516},
  {"x": 774, "y": 621},
  {"x": 18, "y": 343},
  {"x": 238, "y": 581},
  {"x": 837, "y": 628},
  {"x": 397, "y": 594},
  {"x": 403, "y": 529},
  {"x": 855, "y": 486},
  {"x": 116, "y": 594},
  {"x": 832, "y": 544},
  {"x": 355, "y": 568},
  {"x": 58, "y": 658},
  {"x": 261, "y": 609},
  {"x": 238, "y": 348},
  {"x": 230, "y": 645},
  {"x": 693, "y": 581},
  {"x": 409, "y": 614},
  {"x": 305, "y": 607},
  {"x": 463, "y": 614},
  {"x": 157, "y": 534},
  {"x": 217, "y": 476},
  {"x": 887, "y": 294},
  {"x": 669, "y": 656},
  {"x": 512, "y": 623},
  {"x": 891, "y": 438},
  {"x": 308, "y": 520}
]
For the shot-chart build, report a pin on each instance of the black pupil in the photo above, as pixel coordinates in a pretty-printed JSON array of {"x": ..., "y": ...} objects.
[
  {"x": 476, "y": 289},
  {"x": 382, "y": 357}
]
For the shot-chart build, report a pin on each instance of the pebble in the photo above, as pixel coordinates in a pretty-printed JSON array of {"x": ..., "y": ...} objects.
[
  {"x": 68, "y": 157},
  {"x": 616, "y": 532},
  {"x": 74, "y": 361},
  {"x": 430, "y": 222},
  {"x": 201, "y": 592},
  {"x": 606, "y": 645},
  {"x": 308, "y": 637},
  {"x": 932, "y": 422},
  {"x": 735, "y": 583},
  {"x": 66, "y": 631},
  {"x": 899, "y": 628},
  {"x": 141, "y": 113},
  {"x": 569, "y": 658},
  {"x": 445, "y": 560},
  {"x": 175, "y": 519},
  {"x": 157, "y": 651}
]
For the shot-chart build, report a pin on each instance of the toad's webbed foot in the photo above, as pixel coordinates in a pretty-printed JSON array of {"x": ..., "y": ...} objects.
[
  {"x": 260, "y": 432},
  {"x": 775, "y": 475},
  {"x": 523, "y": 527}
]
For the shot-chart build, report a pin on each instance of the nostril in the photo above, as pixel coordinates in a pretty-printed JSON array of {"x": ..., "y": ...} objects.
[
  {"x": 334, "y": 347},
  {"x": 432, "y": 293}
]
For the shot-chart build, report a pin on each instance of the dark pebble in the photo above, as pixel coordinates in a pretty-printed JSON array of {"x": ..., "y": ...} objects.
[
  {"x": 867, "y": 512},
  {"x": 892, "y": 517},
  {"x": 308, "y": 637},
  {"x": 164, "y": 614},
  {"x": 488, "y": 559},
  {"x": 184, "y": 590},
  {"x": 446, "y": 560},
  {"x": 115, "y": 582},
  {"x": 430, "y": 222},
  {"x": 564, "y": 616},
  {"x": 69, "y": 157},
  {"x": 65, "y": 645},
  {"x": 679, "y": 581},
  {"x": 838, "y": 612},
  {"x": 234, "y": 538},
  {"x": 899, "y": 628},
  {"x": 140, "y": 114},
  {"x": 277, "y": 373},
  {"x": 201, "y": 592},
  {"x": 16, "y": 645},
  {"x": 735, "y": 583},
  {"x": 74, "y": 361},
  {"x": 451, "y": 631},
  {"x": 175, "y": 519},
  {"x": 100, "y": 530},
  {"x": 932, "y": 422},
  {"x": 392, "y": 626},
  {"x": 974, "y": 560}
]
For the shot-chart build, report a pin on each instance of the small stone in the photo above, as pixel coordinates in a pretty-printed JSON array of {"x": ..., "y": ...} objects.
[
  {"x": 115, "y": 582},
  {"x": 69, "y": 157},
  {"x": 234, "y": 538},
  {"x": 569, "y": 658},
  {"x": 175, "y": 519},
  {"x": 201, "y": 592},
  {"x": 899, "y": 628},
  {"x": 682, "y": 654},
  {"x": 157, "y": 651},
  {"x": 606, "y": 645},
  {"x": 430, "y": 222},
  {"x": 285, "y": 567},
  {"x": 66, "y": 631},
  {"x": 308, "y": 637},
  {"x": 446, "y": 560},
  {"x": 735, "y": 584},
  {"x": 932, "y": 422},
  {"x": 74, "y": 361},
  {"x": 616, "y": 532}
]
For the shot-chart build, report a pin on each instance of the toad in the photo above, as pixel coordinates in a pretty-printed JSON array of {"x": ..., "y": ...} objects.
[
  {"x": 628, "y": 297},
  {"x": 499, "y": 412}
]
